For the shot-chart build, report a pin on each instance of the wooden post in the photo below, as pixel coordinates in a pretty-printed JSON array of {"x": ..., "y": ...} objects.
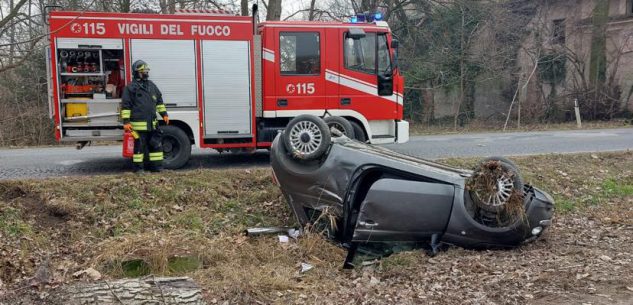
[{"x": 577, "y": 111}]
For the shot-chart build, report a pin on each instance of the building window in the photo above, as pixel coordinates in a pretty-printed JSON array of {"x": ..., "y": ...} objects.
[
  {"x": 629, "y": 8},
  {"x": 300, "y": 53},
  {"x": 558, "y": 31}
]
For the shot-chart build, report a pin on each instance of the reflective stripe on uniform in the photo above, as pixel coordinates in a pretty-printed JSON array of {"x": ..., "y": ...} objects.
[
  {"x": 125, "y": 114},
  {"x": 139, "y": 126},
  {"x": 137, "y": 158},
  {"x": 156, "y": 156},
  {"x": 155, "y": 123},
  {"x": 161, "y": 108}
]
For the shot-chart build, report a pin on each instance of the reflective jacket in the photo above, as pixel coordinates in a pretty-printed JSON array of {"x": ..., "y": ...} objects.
[{"x": 139, "y": 103}]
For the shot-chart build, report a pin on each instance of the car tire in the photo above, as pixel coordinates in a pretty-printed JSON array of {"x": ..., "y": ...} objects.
[
  {"x": 176, "y": 147},
  {"x": 359, "y": 133},
  {"x": 507, "y": 184},
  {"x": 341, "y": 124},
  {"x": 306, "y": 137},
  {"x": 503, "y": 159}
]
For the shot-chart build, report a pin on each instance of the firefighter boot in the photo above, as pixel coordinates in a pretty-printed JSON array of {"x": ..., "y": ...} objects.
[{"x": 155, "y": 151}]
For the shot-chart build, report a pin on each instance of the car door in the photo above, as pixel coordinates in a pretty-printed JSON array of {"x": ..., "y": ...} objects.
[
  {"x": 403, "y": 210},
  {"x": 300, "y": 69}
]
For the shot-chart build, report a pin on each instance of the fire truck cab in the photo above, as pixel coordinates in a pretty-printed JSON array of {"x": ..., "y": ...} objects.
[{"x": 229, "y": 83}]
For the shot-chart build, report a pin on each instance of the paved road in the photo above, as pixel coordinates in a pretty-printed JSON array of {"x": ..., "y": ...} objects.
[{"x": 62, "y": 161}]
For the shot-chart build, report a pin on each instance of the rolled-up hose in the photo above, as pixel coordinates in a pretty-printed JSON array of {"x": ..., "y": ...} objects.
[{"x": 63, "y": 54}]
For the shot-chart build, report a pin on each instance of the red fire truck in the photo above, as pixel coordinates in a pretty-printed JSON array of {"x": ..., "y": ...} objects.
[{"x": 229, "y": 82}]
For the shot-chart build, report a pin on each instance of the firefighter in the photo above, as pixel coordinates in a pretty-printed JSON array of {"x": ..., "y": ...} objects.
[{"x": 141, "y": 100}]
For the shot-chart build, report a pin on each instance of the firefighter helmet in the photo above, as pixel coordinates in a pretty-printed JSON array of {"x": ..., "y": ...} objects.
[{"x": 140, "y": 69}]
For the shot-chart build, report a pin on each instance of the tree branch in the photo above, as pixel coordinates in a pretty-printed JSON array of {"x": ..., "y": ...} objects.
[{"x": 14, "y": 12}]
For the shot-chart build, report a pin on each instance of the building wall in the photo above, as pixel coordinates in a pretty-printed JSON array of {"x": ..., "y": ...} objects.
[{"x": 578, "y": 42}]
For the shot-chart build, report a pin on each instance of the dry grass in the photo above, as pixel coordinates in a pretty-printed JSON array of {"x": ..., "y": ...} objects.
[{"x": 103, "y": 221}]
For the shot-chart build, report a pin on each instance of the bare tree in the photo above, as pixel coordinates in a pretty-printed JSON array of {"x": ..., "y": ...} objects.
[
  {"x": 244, "y": 7},
  {"x": 273, "y": 8}
]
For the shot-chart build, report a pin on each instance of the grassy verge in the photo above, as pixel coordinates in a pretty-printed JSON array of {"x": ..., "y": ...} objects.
[
  {"x": 418, "y": 128},
  {"x": 191, "y": 223}
]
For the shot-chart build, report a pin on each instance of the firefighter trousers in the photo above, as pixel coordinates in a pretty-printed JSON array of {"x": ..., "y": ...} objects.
[{"x": 148, "y": 150}]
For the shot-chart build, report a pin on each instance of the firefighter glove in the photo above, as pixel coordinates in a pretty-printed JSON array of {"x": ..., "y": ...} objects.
[
  {"x": 127, "y": 127},
  {"x": 166, "y": 119}
]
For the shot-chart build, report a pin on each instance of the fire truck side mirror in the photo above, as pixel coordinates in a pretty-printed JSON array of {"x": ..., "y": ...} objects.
[
  {"x": 395, "y": 44},
  {"x": 385, "y": 84}
]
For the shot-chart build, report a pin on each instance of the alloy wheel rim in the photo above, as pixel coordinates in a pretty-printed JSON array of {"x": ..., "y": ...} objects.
[
  {"x": 306, "y": 137},
  {"x": 501, "y": 196}
]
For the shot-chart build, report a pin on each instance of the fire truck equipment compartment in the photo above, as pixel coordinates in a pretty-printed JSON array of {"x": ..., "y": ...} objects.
[
  {"x": 227, "y": 96},
  {"x": 173, "y": 68}
]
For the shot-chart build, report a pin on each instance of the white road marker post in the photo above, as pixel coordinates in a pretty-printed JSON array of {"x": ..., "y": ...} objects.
[{"x": 577, "y": 111}]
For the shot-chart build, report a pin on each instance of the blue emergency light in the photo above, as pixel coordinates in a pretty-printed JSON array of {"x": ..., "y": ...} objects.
[{"x": 366, "y": 17}]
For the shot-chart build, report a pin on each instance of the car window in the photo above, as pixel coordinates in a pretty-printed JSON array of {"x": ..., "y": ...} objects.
[{"x": 300, "y": 53}]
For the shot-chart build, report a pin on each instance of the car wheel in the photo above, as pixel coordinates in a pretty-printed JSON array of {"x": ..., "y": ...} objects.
[
  {"x": 496, "y": 187},
  {"x": 341, "y": 124},
  {"x": 306, "y": 137},
  {"x": 359, "y": 133},
  {"x": 504, "y": 159},
  {"x": 176, "y": 147}
]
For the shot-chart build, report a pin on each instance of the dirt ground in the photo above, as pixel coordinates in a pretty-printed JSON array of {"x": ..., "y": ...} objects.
[{"x": 50, "y": 229}]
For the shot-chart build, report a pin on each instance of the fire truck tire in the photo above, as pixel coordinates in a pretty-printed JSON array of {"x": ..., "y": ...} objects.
[
  {"x": 176, "y": 147},
  {"x": 342, "y": 124},
  {"x": 306, "y": 137},
  {"x": 359, "y": 133}
]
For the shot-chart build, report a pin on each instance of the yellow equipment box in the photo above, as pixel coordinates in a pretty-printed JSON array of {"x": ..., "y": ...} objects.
[{"x": 76, "y": 109}]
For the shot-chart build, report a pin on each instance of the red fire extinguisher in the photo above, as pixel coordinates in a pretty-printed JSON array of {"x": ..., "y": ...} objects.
[{"x": 128, "y": 143}]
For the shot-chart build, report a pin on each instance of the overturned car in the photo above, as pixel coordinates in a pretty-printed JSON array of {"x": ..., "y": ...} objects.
[{"x": 370, "y": 195}]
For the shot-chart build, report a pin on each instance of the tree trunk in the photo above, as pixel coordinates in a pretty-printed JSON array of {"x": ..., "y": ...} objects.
[
  {"x": 311, "y": 13},
  {"x": 163, "y": 6},
  {"x": 244, "y": 6},
  {"x": 461, "y": 71},
  {"x": 274, "y": 10},
  {"x": 428, "y": 107},
  {"x": 147, "y": 290},
  {"x": 11, "y": 36}
]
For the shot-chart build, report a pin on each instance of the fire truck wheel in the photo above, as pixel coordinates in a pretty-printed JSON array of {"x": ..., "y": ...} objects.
[
  {"x": 359, "y": 133},
  {"x": 341, "y": 124},
  {"x": 176, "y": 147},
  {"x": 306, "y": 137}
]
